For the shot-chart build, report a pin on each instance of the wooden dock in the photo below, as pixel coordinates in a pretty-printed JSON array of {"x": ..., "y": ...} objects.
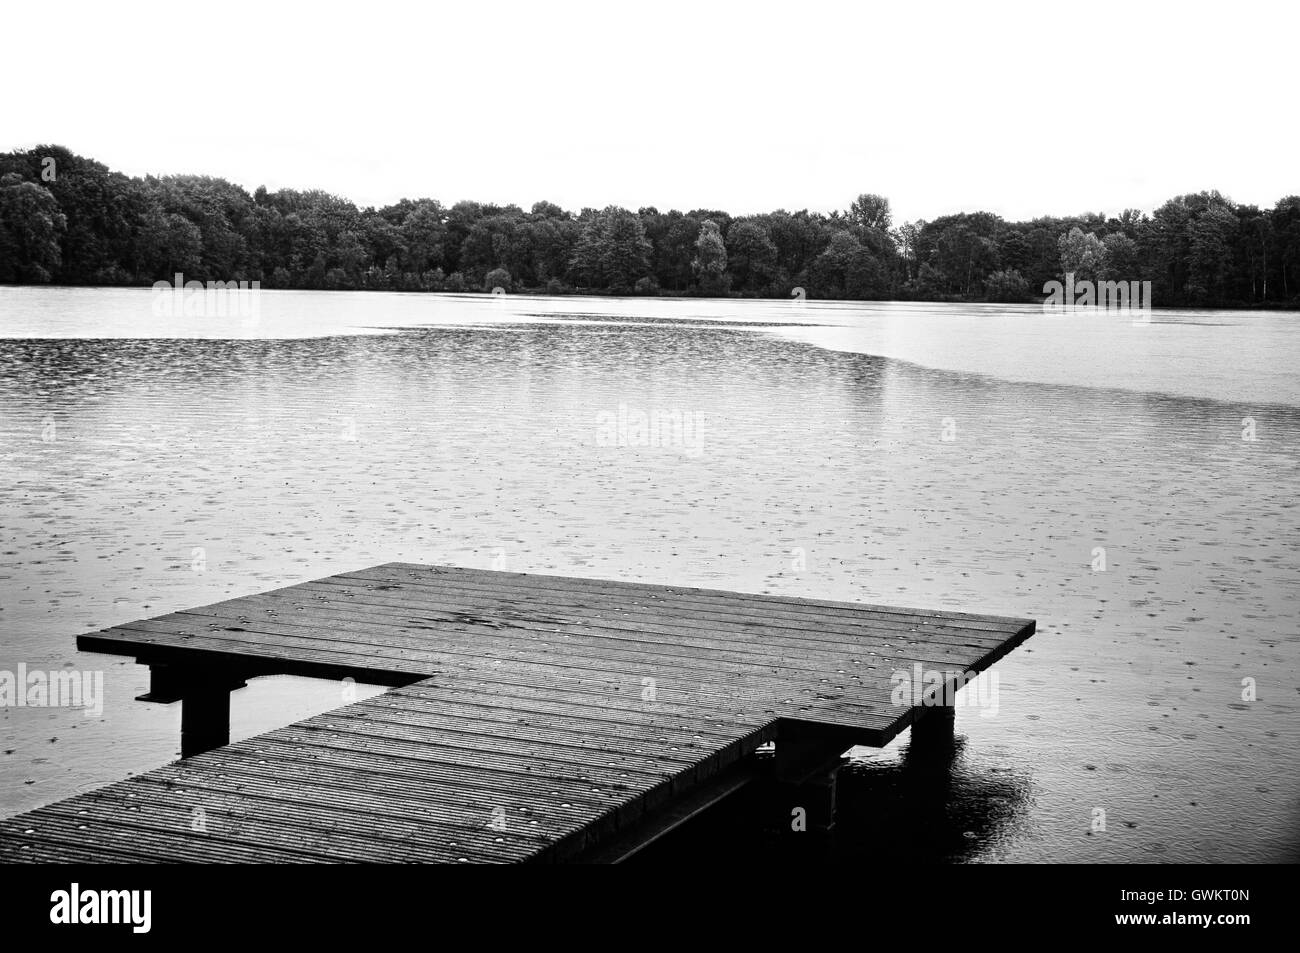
[{"x": 530, "y": 717}]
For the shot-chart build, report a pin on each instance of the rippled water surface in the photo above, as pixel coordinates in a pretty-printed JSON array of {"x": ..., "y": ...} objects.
[{"x": 154, "y": 464}]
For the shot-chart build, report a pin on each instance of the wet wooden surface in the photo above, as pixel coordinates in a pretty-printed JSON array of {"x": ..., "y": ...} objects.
[{"x": 532, "y": 717}]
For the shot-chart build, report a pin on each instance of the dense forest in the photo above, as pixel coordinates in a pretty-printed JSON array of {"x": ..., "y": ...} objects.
[{"x": 70, "y": 220}]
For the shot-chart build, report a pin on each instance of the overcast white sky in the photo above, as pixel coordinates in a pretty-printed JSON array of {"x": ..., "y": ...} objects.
[{"x": 1019, "y": 108}]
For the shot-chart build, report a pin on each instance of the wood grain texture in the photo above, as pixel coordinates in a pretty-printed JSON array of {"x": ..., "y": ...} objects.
[{"x": 531, "y": 717}]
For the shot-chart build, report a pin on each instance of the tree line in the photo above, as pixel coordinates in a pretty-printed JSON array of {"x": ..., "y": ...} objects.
[{"x": 71, "y": 220}]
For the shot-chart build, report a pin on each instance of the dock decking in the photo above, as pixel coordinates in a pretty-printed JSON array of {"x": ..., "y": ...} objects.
[{"x": 530, "y": 717}]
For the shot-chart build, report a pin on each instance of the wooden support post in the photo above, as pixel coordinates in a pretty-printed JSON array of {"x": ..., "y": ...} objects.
[
  {"x": 929, "y": 757},
  {"x": 927, "y": 769},
  {"x": 205, "y": 718},
  {"x": 204, "y": 694},
  {"x": 804, "y": 781},
  {"x": 165, "y": 684},
  {"x": 934, "y": 729}
]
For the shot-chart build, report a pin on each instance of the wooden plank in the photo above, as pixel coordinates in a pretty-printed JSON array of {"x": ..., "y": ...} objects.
[
  {"x": 634, "y": 838},
  {"x": 520, "y": 700},
  {"x": 407, "y": 646},
  {"x": 444, "y": 616},
  {"x": 555, "y": 604},
  {"x": 652, "y": 590},
  {"x": 770, "y": 694},
  {"x": 292, "y": 641}
]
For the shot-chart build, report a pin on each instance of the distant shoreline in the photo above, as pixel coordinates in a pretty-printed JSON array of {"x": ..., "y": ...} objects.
[
  {"x": 66, "y": 219},
  {"x": 678, "y": 295}
]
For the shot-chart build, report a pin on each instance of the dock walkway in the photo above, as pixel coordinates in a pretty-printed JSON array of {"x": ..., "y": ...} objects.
[{"x": 529, "y": 717}]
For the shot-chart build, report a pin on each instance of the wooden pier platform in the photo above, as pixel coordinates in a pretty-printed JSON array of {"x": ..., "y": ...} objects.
[{"x": 531, "y": 717}]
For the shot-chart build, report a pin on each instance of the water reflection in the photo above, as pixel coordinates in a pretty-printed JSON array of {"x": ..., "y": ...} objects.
[{"x": 897, "y": 808}]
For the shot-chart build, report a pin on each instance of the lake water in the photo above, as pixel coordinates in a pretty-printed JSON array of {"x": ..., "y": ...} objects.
[{"x": 977, "y": 458}]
